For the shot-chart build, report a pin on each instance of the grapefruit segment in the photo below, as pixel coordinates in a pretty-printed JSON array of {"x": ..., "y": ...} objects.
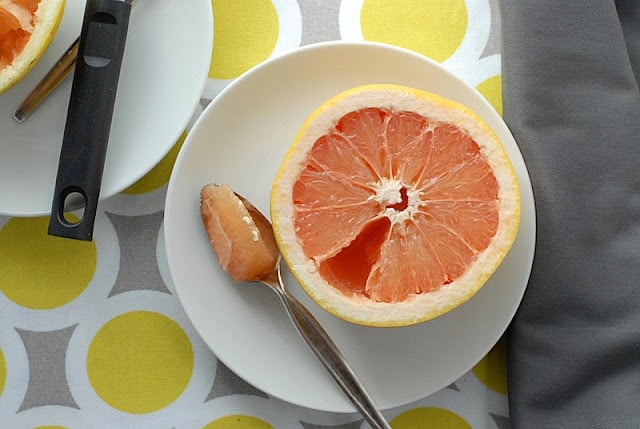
[
  {"x": 341, "y": 224},
  {"x": 246, "y": 249},
  {"x": 364, "y": 131},
  {"x": 408, "y": 157},
  {"x": 394, "y": 205}
]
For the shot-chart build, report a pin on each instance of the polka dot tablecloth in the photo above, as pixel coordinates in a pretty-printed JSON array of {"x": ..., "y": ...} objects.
[{"x": 92, "y": 334}]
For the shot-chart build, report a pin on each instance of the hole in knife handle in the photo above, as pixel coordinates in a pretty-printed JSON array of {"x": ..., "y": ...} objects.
[
  {"x": 73, "y": 201},
  {"x": 99, "y": 47}
]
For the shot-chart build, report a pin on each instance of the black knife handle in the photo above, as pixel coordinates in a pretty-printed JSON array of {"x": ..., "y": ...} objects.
[{"x": 88, "y": 123}]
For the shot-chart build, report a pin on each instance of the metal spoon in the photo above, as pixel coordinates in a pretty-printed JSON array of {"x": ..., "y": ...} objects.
[
  {"x": 58, "y": 72},
  {"x": 314, "y": 334}
]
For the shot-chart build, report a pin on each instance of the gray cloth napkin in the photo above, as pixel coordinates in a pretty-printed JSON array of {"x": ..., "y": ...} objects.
[{"x": 571, "y": 99}]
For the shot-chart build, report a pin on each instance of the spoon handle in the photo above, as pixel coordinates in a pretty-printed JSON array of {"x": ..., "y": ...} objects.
[
  {"x": 327, "y": 352},
  {"x": 60, "y": 70}
]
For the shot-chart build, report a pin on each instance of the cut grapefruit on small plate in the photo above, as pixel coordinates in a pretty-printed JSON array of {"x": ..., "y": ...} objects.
[
  {"x": 240, "y": 140},
  {"x": 27, "y": 27}
]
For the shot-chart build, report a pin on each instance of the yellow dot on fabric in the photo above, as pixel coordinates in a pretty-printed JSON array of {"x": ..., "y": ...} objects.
[
  {"x": 238, "y": 422},
  {"x": 491, "y": 89},
  {"x": 492, "y": 369},
  {"x": 3, "y": 372},
  {"x": 140, "y": 362},
  {"x": 245, "y": 33},
  {"x": 429, "y": 418},
  {"x": 40, "y": 271},
  {"x": 50, "y": 427},
  {"x": 430, "y": 27},
  {"x": 158, "y": 175}
]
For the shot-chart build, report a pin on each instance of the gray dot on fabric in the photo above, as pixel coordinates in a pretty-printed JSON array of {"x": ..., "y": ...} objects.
[
  {"x": 493, "y": 46},
  {"x": 320, "y": 20},
  {"x": 138, "y": 236},
  {"x": 227, "y": 383},
  {"x": 47, "y": 352}
]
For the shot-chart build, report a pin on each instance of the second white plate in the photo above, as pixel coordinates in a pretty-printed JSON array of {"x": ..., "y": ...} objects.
[
  {"x": 240, "y": 140},
  {"x": 161, "y": 81}
]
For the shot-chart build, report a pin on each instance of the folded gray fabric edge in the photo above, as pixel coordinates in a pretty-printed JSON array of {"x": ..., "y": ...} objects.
[{"x": 571, "y": 100}]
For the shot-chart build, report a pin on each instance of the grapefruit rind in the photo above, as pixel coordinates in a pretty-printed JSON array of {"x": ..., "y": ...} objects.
[
  {"x": 360, "y": 309},
  {"x": 47, "y": 20}
]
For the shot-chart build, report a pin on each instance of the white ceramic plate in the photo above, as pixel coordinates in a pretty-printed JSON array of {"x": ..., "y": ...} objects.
[
  {"x": 164, "y": 69},
  {"x": 240, "y": 139}
]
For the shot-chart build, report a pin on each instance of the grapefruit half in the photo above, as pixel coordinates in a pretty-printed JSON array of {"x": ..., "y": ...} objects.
[
  {"x": 394, "y": 205},
  {"x": 27, "y": 27}
]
